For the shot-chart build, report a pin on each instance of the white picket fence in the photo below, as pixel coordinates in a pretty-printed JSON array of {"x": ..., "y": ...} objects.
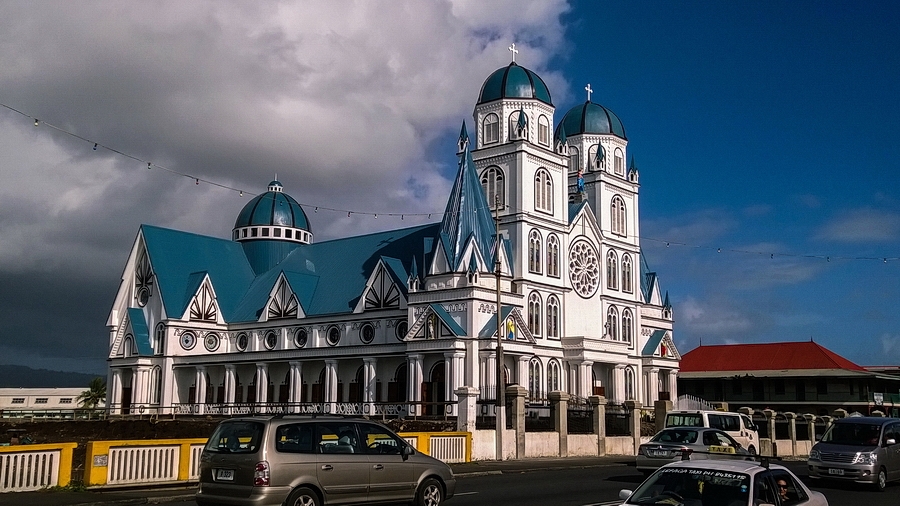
[
  {"x": 150, "y": 464},
  {"x": 21, "y": 472},
  {"x": 450, "y": 449}
]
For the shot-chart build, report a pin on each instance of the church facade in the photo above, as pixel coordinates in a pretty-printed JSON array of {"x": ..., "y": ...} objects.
[{"x": 395, "y": 322}]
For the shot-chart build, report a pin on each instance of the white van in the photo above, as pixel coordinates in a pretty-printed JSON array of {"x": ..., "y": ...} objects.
[{"x": 737, "y": 425}]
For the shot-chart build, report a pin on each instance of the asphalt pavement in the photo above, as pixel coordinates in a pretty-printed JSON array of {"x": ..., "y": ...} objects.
[{"x": 161, "y": 495}]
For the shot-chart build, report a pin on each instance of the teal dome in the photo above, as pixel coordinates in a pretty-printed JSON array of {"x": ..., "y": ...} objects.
[
  {"x": 590, "y": 118},
  {"x": 514, "y": 82},
  {"x": 272, "y": 208}
]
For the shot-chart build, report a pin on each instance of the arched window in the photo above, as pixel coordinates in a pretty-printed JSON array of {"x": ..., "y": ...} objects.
[
  {"x": 518, "y": 126},
  {"x": 128, "y": 346},
  {"x": 629, "y": 384},
  {"x": 492, "y": 182},
  {"x": 543, "y": 191},
  {"x": 159, "y": 339},
  {"x": 612, "y": 323},
  {"x": 553, "y": 317},
  {"x": 534, "y": 252},
  {"x": 627, "y": 325},
  {"x": 534, "y": 314},
  {"x": 543, "y": 131},
  {"x": 612, "y": 270},
  {"x": 596, "y": 157},
  {"x": 627, "y": 277},
  {"x": 535, "y": 380},
  {"x": 553, "y": 256},
  {"x": 619, "y": 162},
  {"x": 155, "y": 384},
  {"x": 491, "y": 129},
  {"x": 573, "y": 160},
  {"x": 553, "y": 376},
  {"x": 617, "y": 216}
]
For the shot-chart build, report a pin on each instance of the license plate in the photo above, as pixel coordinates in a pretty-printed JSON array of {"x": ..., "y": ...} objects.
[
  {"x": 658, "y": 453},
  {"x": 839, "y": 472},
  {"x": 225, "y": 474}
]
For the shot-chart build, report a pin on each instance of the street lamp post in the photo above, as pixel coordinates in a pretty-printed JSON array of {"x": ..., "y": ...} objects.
[{"x": 500, "y": 409}]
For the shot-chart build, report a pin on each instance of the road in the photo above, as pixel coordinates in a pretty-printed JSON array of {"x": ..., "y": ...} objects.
[{"x": 600, "y": 484}]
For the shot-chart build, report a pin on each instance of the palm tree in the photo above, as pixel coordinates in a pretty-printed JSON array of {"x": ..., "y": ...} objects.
[{"x": 94, "y": 395}]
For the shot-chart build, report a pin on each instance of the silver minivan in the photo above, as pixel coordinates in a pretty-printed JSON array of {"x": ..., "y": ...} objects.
[
  {"x": 860, "y": 449},
  {"x": 311, "y": 461}
]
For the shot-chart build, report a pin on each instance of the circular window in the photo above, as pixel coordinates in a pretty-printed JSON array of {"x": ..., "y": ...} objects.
[
  {"x": 271, "y": 340},
  {"x": 367, "y": 333},
  {"x": 211, "y": 341},
  {"x": 188, "y": 340},
  {"x": 143, "y": 295},
  {"x": 334, "y": 336},
  {"x": 584, "y": 269},
  {"x": 242, "y": 341},
  {"x": 402, "y": 329},
  {"x": 300, "y": 338}
]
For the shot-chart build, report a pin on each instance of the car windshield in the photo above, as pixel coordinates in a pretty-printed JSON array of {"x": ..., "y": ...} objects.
[
  {"x": 682, "y": 436},
  {"x": 235, "y": 437},
  {"x": 684, "y": 420},
  {"x": 855, "y": 434},
  {"x": 693, "y": 487}
]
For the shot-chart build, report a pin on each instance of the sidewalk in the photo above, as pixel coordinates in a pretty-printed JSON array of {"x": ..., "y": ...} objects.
[{"x": 125, "y": 497}]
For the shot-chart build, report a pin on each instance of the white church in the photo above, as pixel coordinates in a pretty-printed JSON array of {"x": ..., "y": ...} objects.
[{"x": 394, "y": 322}]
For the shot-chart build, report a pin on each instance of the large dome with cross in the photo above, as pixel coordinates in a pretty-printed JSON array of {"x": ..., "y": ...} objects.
[
  {"x": 514, "y": 81},
  {"x": 591, "y": 118}
]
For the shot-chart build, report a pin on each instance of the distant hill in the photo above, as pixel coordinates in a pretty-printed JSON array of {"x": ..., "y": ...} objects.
[{"x": 14, "y": 376}]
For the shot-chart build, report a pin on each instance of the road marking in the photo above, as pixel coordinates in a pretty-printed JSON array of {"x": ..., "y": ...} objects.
[
  {"x": 464, "y": 493},
  {"x": 608, "y": 503}
]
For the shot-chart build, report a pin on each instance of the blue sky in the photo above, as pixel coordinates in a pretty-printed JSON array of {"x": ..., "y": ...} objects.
[{"x": 764, "y": 133}]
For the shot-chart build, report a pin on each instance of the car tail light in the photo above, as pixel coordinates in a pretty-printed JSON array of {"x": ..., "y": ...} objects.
[
  {"x": 261, "y": 474},
  {"x": 686, "y": 453}
]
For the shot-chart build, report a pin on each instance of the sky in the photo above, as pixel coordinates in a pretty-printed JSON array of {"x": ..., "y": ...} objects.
[{"x": 765, "y": 134}]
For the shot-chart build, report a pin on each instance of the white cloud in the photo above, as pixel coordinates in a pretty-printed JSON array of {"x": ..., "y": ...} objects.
[{"x": 861, "y": 225}]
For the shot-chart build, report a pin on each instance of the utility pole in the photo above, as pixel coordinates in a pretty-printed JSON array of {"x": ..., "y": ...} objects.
[{"x": 500, "y": 409}]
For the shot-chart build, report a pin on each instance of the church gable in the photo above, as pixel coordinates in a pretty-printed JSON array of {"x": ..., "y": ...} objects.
[
  {"x": 383, "y": 290},
  {"x": 283, "y": 302},
  {"x": 434, "y": 323},
  {"x": 203, "y": 306},
  {"x": 661, "y": 344},
  {"x": 513, "y": 325},
  {"x": 584, "y": 223}
]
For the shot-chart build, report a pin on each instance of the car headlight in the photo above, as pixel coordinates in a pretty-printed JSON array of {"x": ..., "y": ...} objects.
[
  {"x": 814, "y": 455},
  {"x": 865, "y": 458}
]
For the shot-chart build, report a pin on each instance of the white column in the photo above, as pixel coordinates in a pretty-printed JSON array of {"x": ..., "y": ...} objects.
[
  {"x": 262, "y": 384},
  {"x": 414, "y": 383},
  {"x": 454, "y": 379},
  {"x": 673, "y": 385},
  {"x": 573, "y": 378},
  {"x": 296, "y": 385},
  {"x": 652, "y": 386},
  {"x": 522, "y": 374},
  {"x": 586, "y": 383},
  {"x": 331, "y": 381},
  {"x": 489, "y": 383},
  {"x": 229, "y": 386},
  {"x": 369, "y": 385},
  {"x": 448, "y": 381},
  {"x": 619, "y": 382},
  {"x": 115, "y": 393},
  {"x": 200, "y": 389}
]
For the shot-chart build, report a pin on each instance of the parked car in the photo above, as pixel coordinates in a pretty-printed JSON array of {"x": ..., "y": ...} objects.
[
  {"x": 311, "y": 461},
  {"x": 729, "y": 482},
  {"x": 669, "y": 445},
  {"x": 859, "y": 449},
  {"x": 737, "y": 425}
]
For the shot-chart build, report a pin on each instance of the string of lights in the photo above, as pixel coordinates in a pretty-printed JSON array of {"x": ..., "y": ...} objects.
[{"x": 197, "y": 180}]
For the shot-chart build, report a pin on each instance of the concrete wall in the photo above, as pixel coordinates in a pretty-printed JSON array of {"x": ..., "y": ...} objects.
[
  {"x": 582, "y": 445},
  {"x": 542, "y": 444},
  {"x": 620, "y": 445},
  {"x": 484, "y": 446},
  {"x": 784, "y": 448}
]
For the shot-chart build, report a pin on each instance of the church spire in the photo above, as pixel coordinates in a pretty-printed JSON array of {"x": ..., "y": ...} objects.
[
  {"x": 463, "y": 142},
  {"x": 467, "y": 214}
]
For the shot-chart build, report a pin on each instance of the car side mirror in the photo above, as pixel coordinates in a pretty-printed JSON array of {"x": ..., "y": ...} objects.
[
  {"x": 890, "y": 441},
  {"x": 624, "y": 494},
  {"x": 818, "y": 437},
  {"x": 407, "y": 451}
]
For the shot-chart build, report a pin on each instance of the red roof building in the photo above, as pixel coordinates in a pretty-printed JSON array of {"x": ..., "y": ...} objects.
[{"x": 802, "y": 377}]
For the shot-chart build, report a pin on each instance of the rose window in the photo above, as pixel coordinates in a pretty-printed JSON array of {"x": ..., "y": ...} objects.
[{"x": 584, "y": 269}]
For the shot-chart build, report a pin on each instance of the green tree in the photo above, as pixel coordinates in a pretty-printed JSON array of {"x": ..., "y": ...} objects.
[{"x": 94, "y": 395}]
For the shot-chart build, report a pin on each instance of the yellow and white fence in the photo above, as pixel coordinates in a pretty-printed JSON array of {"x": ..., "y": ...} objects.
[{"x": 34, "y": 467}]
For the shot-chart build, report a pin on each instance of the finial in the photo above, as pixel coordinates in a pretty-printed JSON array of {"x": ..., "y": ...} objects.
[
  {"x": 589, "y": 90},
  {"x": 514, "y": 51}
]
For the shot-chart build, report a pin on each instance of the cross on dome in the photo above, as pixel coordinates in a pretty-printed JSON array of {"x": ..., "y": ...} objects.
[
  {"x": 514, "y": 51},
  {"x": 589, "y": 90}
]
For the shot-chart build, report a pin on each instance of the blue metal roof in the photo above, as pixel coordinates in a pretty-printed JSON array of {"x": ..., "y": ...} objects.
[
  {"x": 590, "y": 118},
  {"x": 490, "y": 328},
  {"x": 140, "y": 331},
  {"x": 272, "y": 208},
  {"x": 177, "y": 258},
  {"x": 655, "y": 338},
  {"x": 648, "y": 279},
  {"x": 448, "y": 320},
  {"x": 574, "y": 209},
  {"x": 514, "y": 81},
  {"x": 467, "y": 215}
]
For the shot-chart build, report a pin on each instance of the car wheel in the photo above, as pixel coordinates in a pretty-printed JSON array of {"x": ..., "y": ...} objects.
[
  {"x": 303, "y": 497},
  {"x": 430, "y": 493},
  {"x": 752, "y": 450},
  {"x": 881, "y": 480}
]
